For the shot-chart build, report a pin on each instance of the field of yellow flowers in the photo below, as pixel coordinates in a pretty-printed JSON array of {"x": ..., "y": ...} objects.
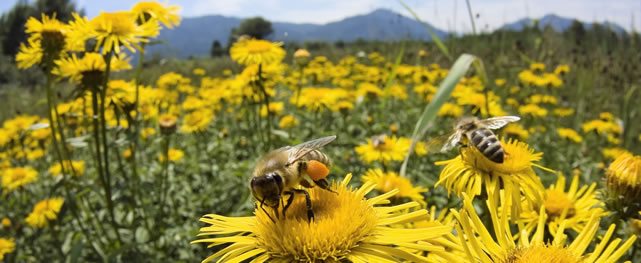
[{"x": 124, "y": 169}]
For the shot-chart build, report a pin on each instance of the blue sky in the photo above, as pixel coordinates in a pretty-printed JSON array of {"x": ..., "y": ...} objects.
[{"x": 445, "y": 14}]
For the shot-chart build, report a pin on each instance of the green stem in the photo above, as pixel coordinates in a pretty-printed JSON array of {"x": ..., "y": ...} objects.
[
  {"x": 164, "y": 176},
  {"x": 105, "y": 145}
]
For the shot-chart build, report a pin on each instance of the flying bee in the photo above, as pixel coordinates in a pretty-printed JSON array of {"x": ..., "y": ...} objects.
[
  {"x": 479, "y": 134},
  {"x": 281, "y": 171},
  {"x": 378, "y": 140}
]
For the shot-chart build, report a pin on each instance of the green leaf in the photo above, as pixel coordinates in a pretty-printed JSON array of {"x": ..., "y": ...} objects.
[{"x": 458, "y": 70}]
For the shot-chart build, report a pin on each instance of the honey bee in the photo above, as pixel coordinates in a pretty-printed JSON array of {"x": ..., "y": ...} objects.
[
  {"x": 479, "y": 134},
  {"x": 281, "y": 171}
]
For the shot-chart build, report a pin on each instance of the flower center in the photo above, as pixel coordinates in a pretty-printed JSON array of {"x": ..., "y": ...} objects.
[
  {"x": 341, "y": 221},
  {"x": 538, "y": 254},
  {"x": 556, "y": 202},
  {"x": 257, "y": 47}
]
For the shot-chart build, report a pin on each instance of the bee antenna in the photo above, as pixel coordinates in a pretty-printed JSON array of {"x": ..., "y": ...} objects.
[{"x": 262, "y": 201}]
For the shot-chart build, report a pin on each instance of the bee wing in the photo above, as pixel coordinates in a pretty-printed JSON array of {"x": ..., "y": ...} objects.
[
  {"x": 299, "y": 151},
  {"x": 498, "y": 122},
  {"x": 444, "y": 143}
]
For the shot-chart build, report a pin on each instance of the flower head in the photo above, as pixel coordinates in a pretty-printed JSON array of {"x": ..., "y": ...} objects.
[
  {"x": 88, "y": 69},
  {"x": 112, "y": 31},
  {"x": 76, "y": 168},
  {"x": 569, "y": 134},
  {"x": 174, "y": 155},
  {"x": 347, "y": 226},
  {"x": 571, "y": 208},
  {"x": 471, "y": 170},
  {"x": 196, "y": 121},
  {"x": 256, "y": 51},
  {"x": 388, "y": 181},
  {"x": 12, "y": 178},
  {"x": 287, "y": 121},
  {"x": 531, "y": 246},
  {"x": 383, "y": 148},
  {"x": 6, "y": 246},
  {"x": 165, "y": 14},
  {"x": 624, "y": 177},
  {"x": 45, "y": 211}
]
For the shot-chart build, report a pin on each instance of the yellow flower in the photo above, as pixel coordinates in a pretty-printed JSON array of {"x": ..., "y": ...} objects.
[
  {"x": 569, "y": 134},
  {"x": 562, "y": 69},
  {"x": 571, "y": 209},
  {"x": 502, "y": 245},
  {"x": 88, "y": 69},
  {"x": 541, "y": 98},
  {"x": 29, "y": 55},
  {"x": 35, "y": 154},
  {"x": 197, "y": 121},
  {"x": 275, "y": 108},
  {"x": 171, "y": 80},
  {"x": 613, "y": 153},
  {"x": 537, "y": 66},
  {"x": 41, "y": 134},
  {"x": 451, "y": 109},
  {"x": 287, "y": 121},
  {"x": 533, "y": 109},
  {"x": 147, "y": 132},
  {"x": 76, "y": 168},
  {"x": 601, "y": 127},
  {"x": 388, "y": 181},
  {"x": 44, "y": 211},
  {"x": 175, "y": 155},
  {"x": 12, "y": 178},
  {"x": 563, "y": 112},
  {"x": 396, "y": 91},
  {"x": 6, "y": 222},
  {"x": 256, "y": 51},
  {"x": 471, "y": 170},
  {"x": 165, "y": 14},
  {"x": 199, "y": 71},
  {"x": 167, "y": 124},
  {"x": 500, "y": 82},
  {"x": 46, "y": 42},
  {"x": 320, "y": 98},
  {"x": 369, "y": 90},
  {"x": 384, "y": 149},
  {"x": 346, "y": 227},
  {"x": 623, "y": 177},
  {"x": 301, "y": 53},
  {"x": 517, "y": 130},
  {"x": 6, "y": 246},
  {"x": 113, "y": 30},
  {"x": 126, "y": 153}
]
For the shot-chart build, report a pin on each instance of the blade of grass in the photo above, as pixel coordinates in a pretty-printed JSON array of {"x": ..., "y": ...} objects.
[
  {"x": 435, "y": 38},
  {"x": 469, "y": 11},
  {"x": 458, "y": 70}
]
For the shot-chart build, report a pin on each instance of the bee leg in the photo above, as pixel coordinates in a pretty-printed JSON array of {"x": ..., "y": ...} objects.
[
  {"x": 322, "y": 183},
  {"x": 290, "y": 200},
  {"x": 308, "y": 203}
]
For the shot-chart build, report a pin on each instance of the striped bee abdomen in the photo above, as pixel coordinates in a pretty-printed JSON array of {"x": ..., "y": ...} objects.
[
  {"x": 487, "y": 143},
  {"x": 318, "y": 156}
]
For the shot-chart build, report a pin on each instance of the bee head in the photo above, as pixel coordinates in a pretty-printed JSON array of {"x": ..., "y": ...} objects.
[
  {"x": 267, "y": 188},
  {"x": 466, "y": 124}
]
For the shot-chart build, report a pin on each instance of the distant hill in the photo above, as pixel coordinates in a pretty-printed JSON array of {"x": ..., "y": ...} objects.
[
  {"x": 195, "y": 35},
  {"x": 558, "y": 23}
]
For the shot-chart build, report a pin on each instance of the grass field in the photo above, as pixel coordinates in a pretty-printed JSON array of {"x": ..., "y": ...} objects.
[{"x": 105, "y": 159}]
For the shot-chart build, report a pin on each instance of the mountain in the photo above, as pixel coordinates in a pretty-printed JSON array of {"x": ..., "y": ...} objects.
[
  {"x": 558, "y": 23},
  {"x": 195, "y": 35}
]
